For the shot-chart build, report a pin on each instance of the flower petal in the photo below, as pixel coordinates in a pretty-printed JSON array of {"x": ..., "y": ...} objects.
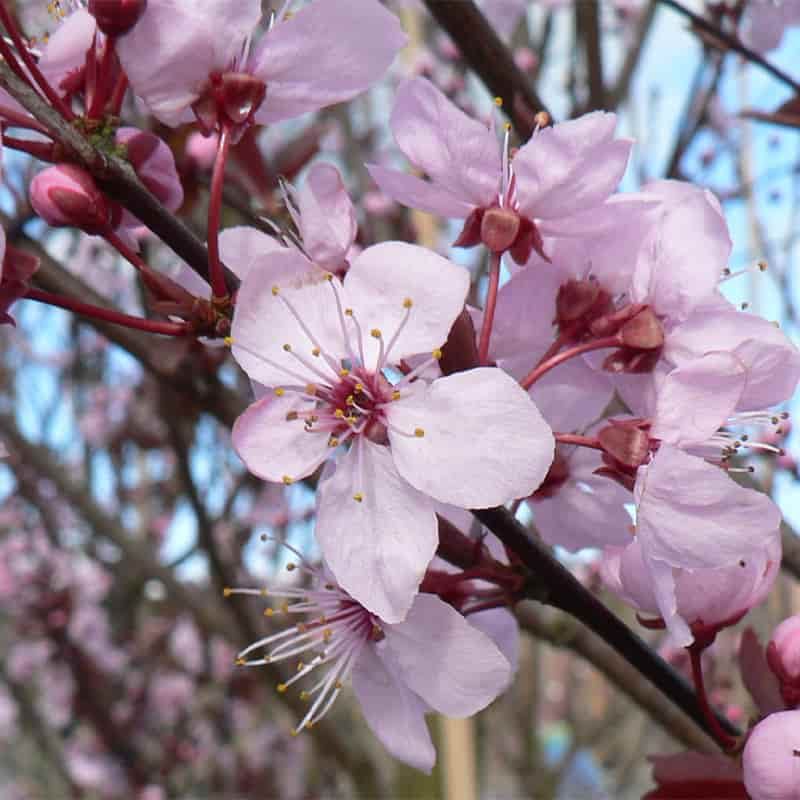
[
  {"x": 691, "y": 514},
  {"x": 570, "y": 167},
  {"x": 381, "y": 281},
  {"x": 380, "y": 547},
  {"x": 457, "y": 152},
  {"x": 275, "y": 447},
  {"x": 484, "y": 441},
  {"x": 327, "y": 52},
  {"x": 241, "y": 245},
  {"x": 414, "y": 192},
  {"x": 695, "y": 401},
  {"x": 263, "y": 323},
  {"x": 65, "y": 51},
  {"x": 501, "y": 626},
  {"x": 451, "y": 665},
  {"x": 393, "y": 712}
]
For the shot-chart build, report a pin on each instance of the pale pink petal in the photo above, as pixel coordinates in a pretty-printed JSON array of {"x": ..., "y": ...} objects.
[
  {"x": 327, "y": 217},
  {"x": 695, "y": 401},
  {"x": 770, "y": 761},
  {"x": 384, "y": 277},
  {"x": 416, "y": 193},
  {"x": 459, "y": 154},
  {"x": 275, "y": 447},
  {"x": 451, "y": 665},
  {"x": 393, "y": 712},
  {"x": 65, "y": 51},
  {"x": 570, "y": 167},
  {"x": 327, "y": 52},
  {"x": 241, "y": 246},
  {"x": 380, "y": 547},
  {"x": 484, "y": 441},
  {"x": 263, "y": 323},
  {"x": 691, "y": 514},
  {"x": 501, "y": 626},
  {"x": 170, "y": 53}
]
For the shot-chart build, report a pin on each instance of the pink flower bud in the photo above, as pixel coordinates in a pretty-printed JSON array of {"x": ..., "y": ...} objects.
[
  {"x": 115, "y": 17},
  {"x": 66, "y": 195},
  {"x": 771, "y": 760},
  {"x": 783, "y": 657}
]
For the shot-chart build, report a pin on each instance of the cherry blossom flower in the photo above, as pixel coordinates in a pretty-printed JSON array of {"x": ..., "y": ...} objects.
[
  {"x": 187, "y": 60},
  {"x": 333, "y": 354},
  {"x": 783, "y": 656},
  {"x": 556, "y": 184},
  {"x": 770, "y": 761},
  {"x": 434, "y": 660},
  {"x": 765, "y": 21}
]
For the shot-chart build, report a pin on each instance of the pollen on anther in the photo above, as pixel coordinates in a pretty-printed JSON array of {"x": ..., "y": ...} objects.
[
  {"x": 227, "y": 591},
  {"x": 287, "y": 348},
  {"x": 228, "y": 341},
  {"x": 240, "y": 662},
  {"x": 291, "y": 416},
  {"x": 437, "y": 353},
  {"x": 290, "y": 567},
  {"x": 304, "y": 695},
  {"x": 279, "y": 392},
  {"x": 375, "y": 333},
  {"x": 359, "y": 387},
  {"x": 348, "y": 312},
  {"x": 281, "y": 687},
  {"x": 333, "y": 442},
  {"x": 507, "y": 126},
  {"x": 358, "y": 497},
  {"x": 268, "y": 612},
  {"x": 498, "y": 101},
  {"x": 285, "y": 607},
  {"x": 339, "y": 414},
  {"x": 419, "y": 432},
  {"x": 338, "y": 685},
  {"x": 408, "y": 302},
  {"x": 315, "y": 351},
  {"x": 344, "y": 372},
  {"x": 288, "y": 481},
  {"x": 275, "y": 291},
  {"x": 396, "y": 394},
  {"x": 300, "y": 666},
  {"x": 326, "y": 635}
]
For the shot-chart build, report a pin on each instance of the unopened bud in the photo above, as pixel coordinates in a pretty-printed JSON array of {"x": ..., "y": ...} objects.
[
  {"x": 66, "y": 195},
  {"x": 499, "y": 229},
  {"x": 783, "y": 657},
  {"x": 115, "y": 17},
  {"x": 643, "y": 332},
  {"x": 625, "y": 443}
]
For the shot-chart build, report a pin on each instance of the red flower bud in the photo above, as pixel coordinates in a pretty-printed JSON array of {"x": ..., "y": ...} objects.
[{"x": 115, "y": 17}]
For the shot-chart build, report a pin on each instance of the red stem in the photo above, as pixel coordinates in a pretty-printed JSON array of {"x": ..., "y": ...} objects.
[
  {"x": 488, "y": 309},
  {"x": 126, "y": 251},
  {"x": 727, "y": 741},
  {"x": 580, "y": 441},
  {"x": 41, "y": 150},
  {"x": 108, "y": 315},
  {"x": 33, "y": 67},
  {"x": 216, "y": 271},
  {"x": 15, "y": 119},
  {"x": 118, "y": 95},
  {"x": 104, "y": 87},
  {"x": 544, "y": 367}
]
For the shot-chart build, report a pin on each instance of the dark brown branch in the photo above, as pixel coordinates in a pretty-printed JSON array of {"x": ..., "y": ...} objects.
[
  {"x": 553, "y": 584},
  {"x": 733, "y": 43},
  {"x": 491, "y": 60},
  {"x": 587, "y": 28}
]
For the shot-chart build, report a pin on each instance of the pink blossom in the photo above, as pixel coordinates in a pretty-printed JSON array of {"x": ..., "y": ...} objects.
[
  {"x": 765, "y": 21},
  {"x": 187, "y": 60},
  {"x": 771, "y": 759},
  {"x": 433, "y": 660},
  {"x": 783, "y": 656},
  {"x": 556, "y": 184},
  {"x": 472, "y": 439}
]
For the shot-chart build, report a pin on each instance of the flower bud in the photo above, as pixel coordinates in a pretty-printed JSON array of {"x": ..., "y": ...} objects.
[
  {"x": 66, "y": 195},
  {"x": 783, "y": 657},
  {"x": 499, "y": 229},
  {"x": 771, "y": 760},
  {"x": 115, "y": 17}
]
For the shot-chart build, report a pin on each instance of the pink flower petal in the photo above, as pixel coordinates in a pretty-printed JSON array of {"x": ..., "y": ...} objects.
[
  {"x": 241, "y": 246},
  {"x": 484, "y": 441},
  {"x": 770, "y": 761},
  {"x": 380, "y": 547}
]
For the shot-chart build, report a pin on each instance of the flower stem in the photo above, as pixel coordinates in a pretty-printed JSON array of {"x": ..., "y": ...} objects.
[
  {"x": 725, "y": 740},
  {"x": 108, "y": 315},
  {"x": 488, "y": 309},
  {"x": 544, "y": 367},
  {"x": 125, "y": 251},
  {"x": 30, "y": 63},
  {"x": 217, "y": 273}
]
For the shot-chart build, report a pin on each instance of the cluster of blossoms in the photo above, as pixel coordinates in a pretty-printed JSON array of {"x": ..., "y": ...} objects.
[{"x": 374, "y": 379}]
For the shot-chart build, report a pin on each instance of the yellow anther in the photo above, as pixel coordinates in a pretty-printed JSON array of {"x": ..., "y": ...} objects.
[
  {"x": 309, "y": 725},
  {"x": 284, "y": 607},
  {"x": 338, "y": 685},
  {"x": 348, "y": 312},
  {"x": 498, "y": 101},
  {"x": 333, "y": 442},
  {"x": 311, "y": 388},
  {"x": 280, "y": 392},
  {"x": 264, "y": 592},
  {"x": 294, "y": 732},
  {"x": 507, "y": 126},
  {"x": 375, "y": 333},
  {"x": 762, "y": 266},
  {"x": 290, "y": 567},
  {"x": 358, "y": 497},
  {"x": 300, "y": 666},
  {"x": 240, "y": 662},
  {"x": 359, "y": 387},
  {"x": 396, "y": 394},
  {"x": 339, "y": 414},
  {"x": 350, "y": 400},
  {"x": 281, "y": 687},
  {"x": 419, "y": 432},
  {"x": 227, "y": 592},
  {"x": 228, "y": 341},
  {"x": 291, "y": 416},
  {"x": 287, "y": 347},
  {"x": 437, "y": 353},
  {"x": 275, "y": 291},
  {"x": 304, "y": 695},
  {"x": 344, "y": 372},
  {"x": 351, "y": 420},
  {"x": 326, "y": 635},
  {"x": 329, "y": 276},
  {"x": 287, "y": 480},
  {"x": 268, "y": 612},
  {"x": 408, "y": 302},
  {"x": 315, "y": 351}
]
